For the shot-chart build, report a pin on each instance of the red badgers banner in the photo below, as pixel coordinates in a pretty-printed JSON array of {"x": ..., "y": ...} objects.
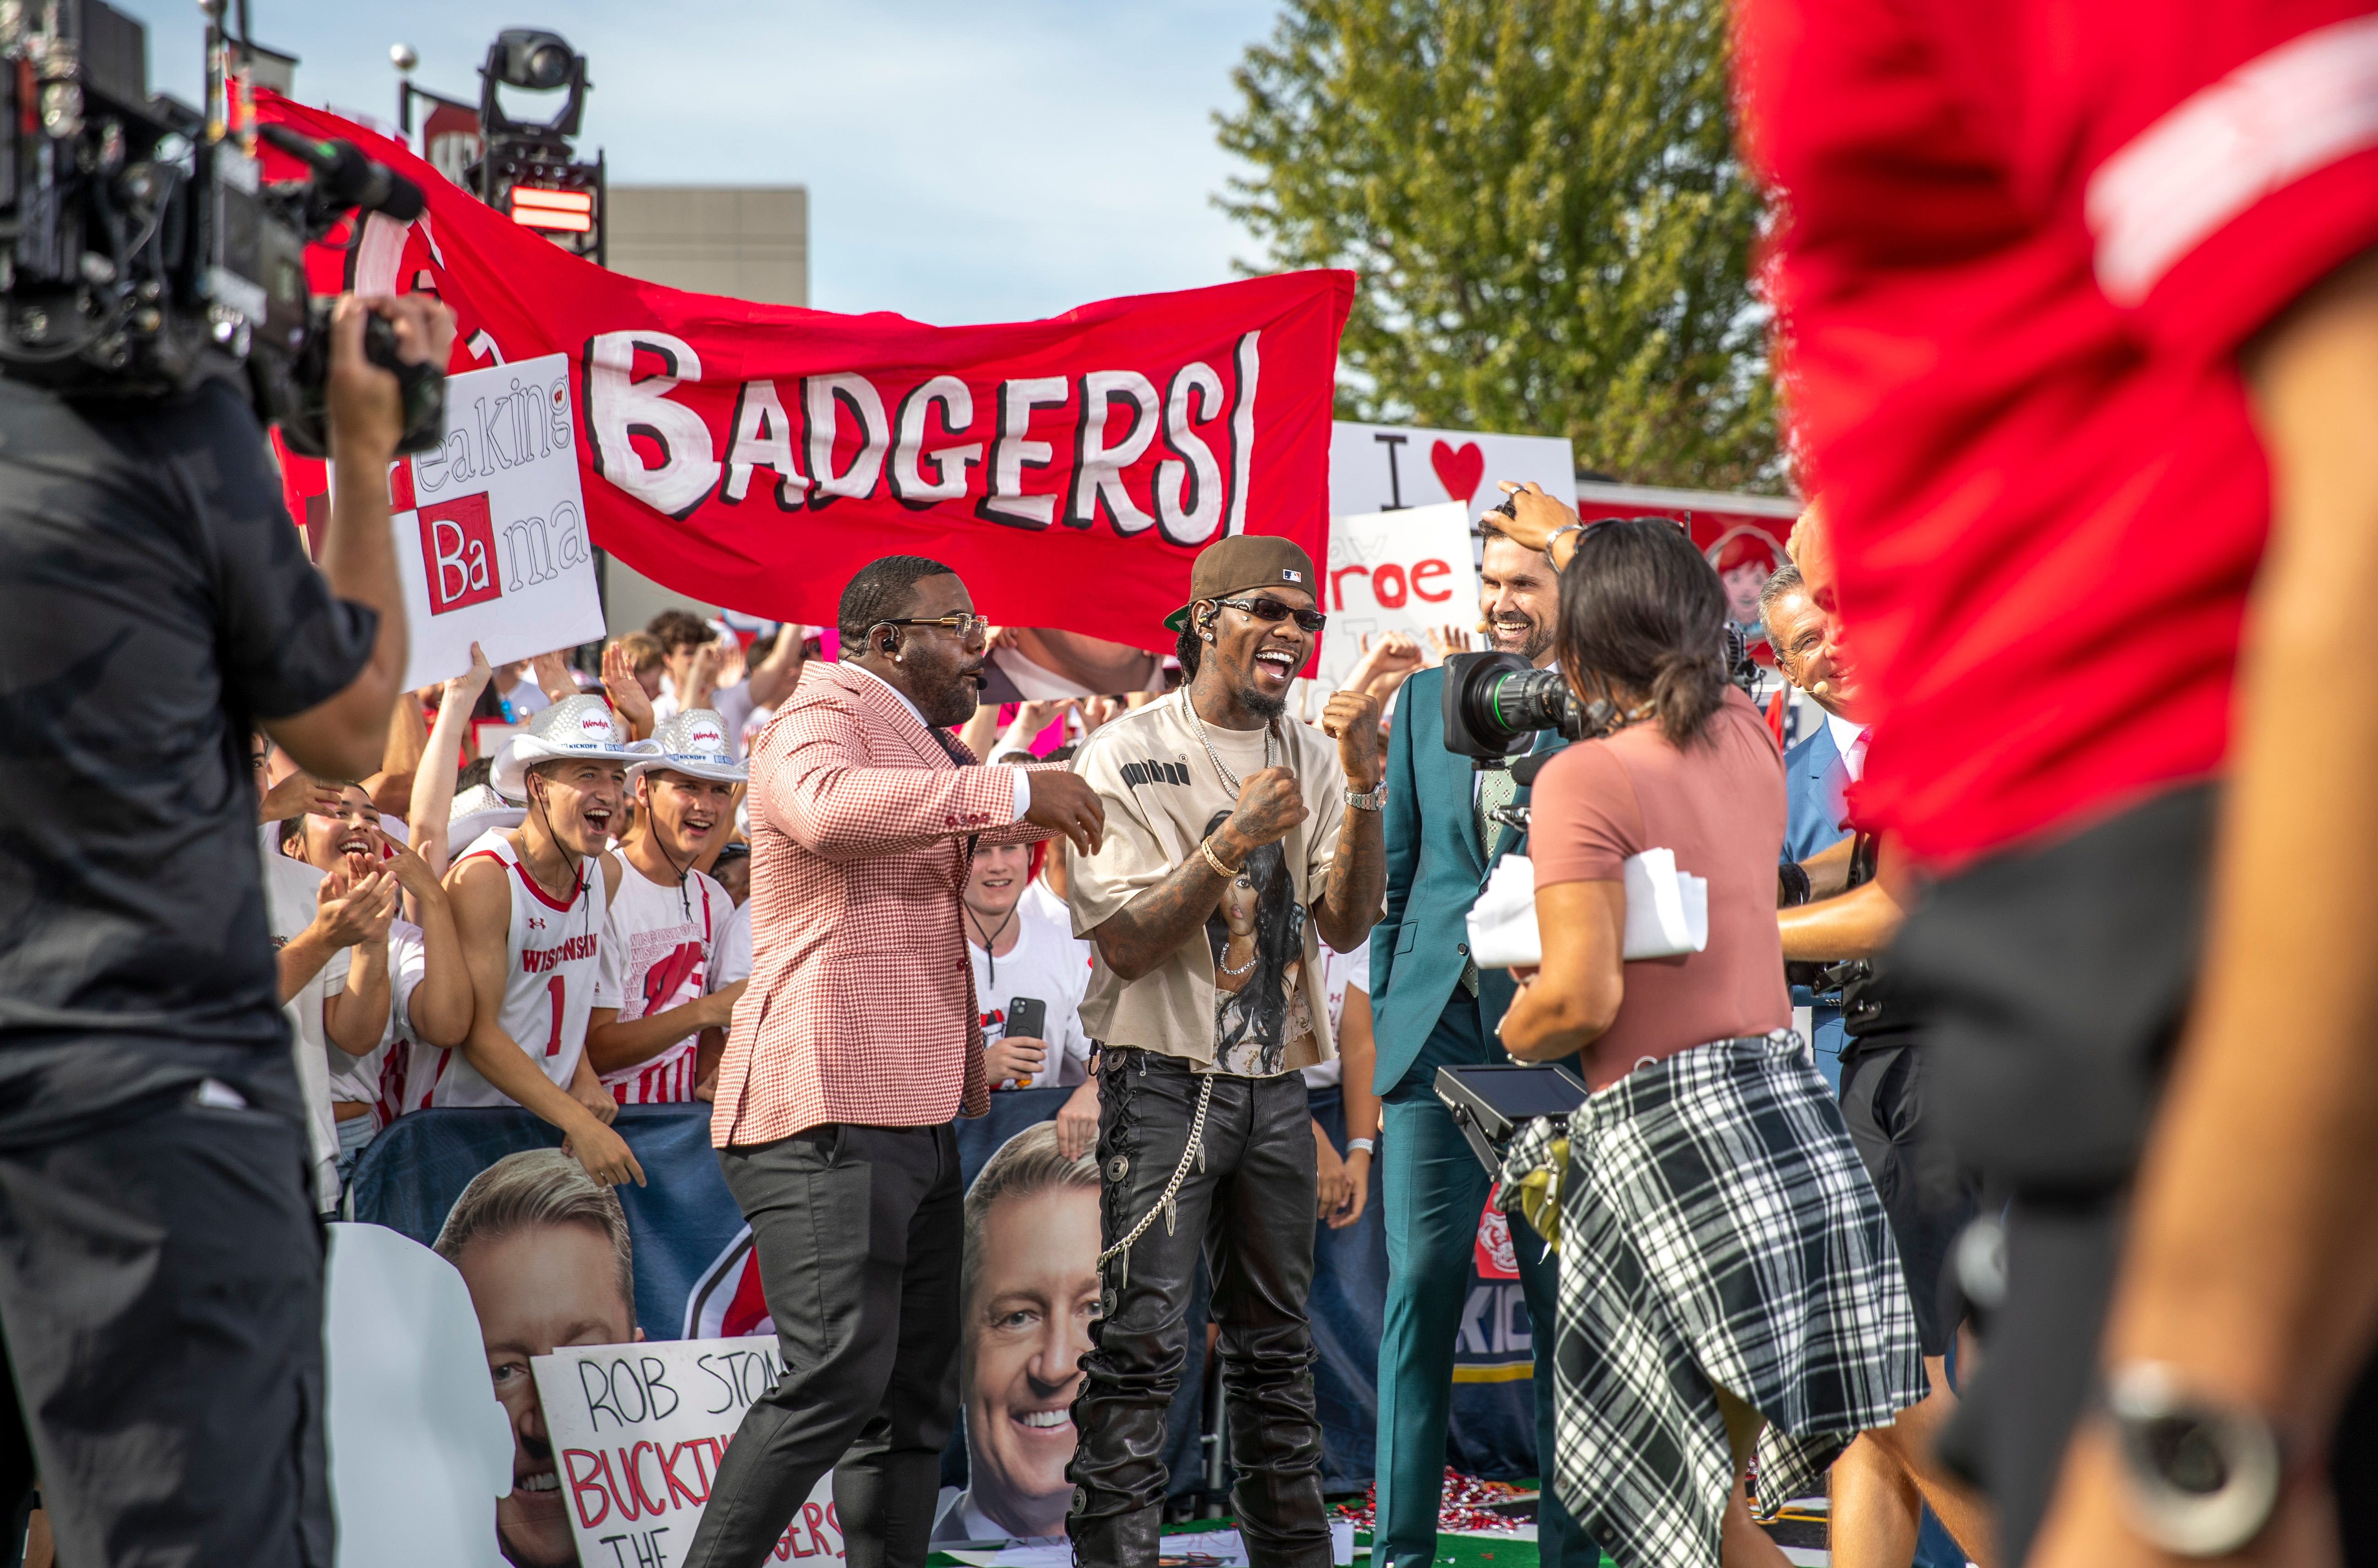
[{"x": 755, "y": 456}]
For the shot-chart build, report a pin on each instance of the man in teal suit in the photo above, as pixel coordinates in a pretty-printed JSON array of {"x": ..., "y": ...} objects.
[{"x": 1432, "y": 1008}]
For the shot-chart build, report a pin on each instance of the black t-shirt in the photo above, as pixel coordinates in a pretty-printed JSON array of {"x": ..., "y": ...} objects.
[
  {"x": 155, "y": 601},
  {"x": 1875, "y": 1010}
]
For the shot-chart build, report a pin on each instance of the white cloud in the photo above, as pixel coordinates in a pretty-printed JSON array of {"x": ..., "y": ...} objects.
[{"x": 964, "y": 162}]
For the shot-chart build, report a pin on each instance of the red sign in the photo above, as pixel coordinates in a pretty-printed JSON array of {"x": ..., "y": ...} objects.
[
  {"x": 756, "y": 456},
  {"x": 458, "y": 547}
]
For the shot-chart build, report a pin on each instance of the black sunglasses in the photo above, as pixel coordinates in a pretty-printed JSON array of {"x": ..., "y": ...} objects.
[{"x": 1271, "y": 611}]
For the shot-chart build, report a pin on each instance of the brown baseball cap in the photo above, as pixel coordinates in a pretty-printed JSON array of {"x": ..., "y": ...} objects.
[{"x": 1241, "y": 562}]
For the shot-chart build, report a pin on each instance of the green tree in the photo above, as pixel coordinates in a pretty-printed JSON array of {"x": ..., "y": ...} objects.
[{"x": 1543, "y": 201}]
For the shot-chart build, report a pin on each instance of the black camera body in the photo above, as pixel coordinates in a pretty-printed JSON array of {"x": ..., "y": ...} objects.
[
  {"x": 142, "y": 251},
  {"x": 1496, "y": 702}
]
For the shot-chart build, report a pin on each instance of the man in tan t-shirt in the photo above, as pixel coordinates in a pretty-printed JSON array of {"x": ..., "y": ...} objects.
[{"x": 1237, "y": 842}]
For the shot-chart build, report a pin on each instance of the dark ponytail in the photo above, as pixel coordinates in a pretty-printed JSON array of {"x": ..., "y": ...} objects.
[{"x": 1640, "y": 606}]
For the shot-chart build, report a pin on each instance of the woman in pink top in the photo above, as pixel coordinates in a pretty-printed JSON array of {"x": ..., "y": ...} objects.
[{"x": 1725, "y": 1265}]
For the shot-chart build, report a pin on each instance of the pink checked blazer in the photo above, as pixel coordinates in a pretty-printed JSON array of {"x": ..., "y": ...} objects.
[{"x": 861, "y": 1005}]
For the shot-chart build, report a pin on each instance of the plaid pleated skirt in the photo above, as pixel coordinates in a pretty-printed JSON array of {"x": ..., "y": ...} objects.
[{"x": 1717, "y": 1231}]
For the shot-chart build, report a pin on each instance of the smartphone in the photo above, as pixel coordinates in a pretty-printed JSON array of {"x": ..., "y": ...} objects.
[{"x": 1027, "y": 1019}]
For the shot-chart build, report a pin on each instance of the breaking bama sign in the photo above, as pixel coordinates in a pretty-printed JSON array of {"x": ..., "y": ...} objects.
[{"x": 491, "y": 528}]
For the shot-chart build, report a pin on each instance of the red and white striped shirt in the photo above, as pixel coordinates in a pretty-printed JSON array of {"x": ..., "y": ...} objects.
[{"x": 659, "y": 947}]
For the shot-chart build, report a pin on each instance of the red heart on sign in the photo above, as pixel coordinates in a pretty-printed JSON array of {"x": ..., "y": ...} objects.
[{"x": 1459, "y": 472}]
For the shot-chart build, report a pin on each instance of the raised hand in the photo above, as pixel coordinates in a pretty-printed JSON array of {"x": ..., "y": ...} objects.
[
  {"x": 1270, "y": 804},
  {"x": 298, "y": 795},
  {"x": 626, "y": 692},
  {"x": 552, "y": 673},
  {"x": 1351, "y": 718},
  {"x": 1535, "y": 517}
]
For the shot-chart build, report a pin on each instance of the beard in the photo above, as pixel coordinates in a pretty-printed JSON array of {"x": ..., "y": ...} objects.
[
  {"x": 1531, "y": 641},
  {"x": 947, "y": 699},
  {"x": 1263, "y": 707}
]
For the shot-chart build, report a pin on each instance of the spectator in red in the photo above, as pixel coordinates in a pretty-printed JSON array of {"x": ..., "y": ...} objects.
[{"x": 2082, "y": 346}]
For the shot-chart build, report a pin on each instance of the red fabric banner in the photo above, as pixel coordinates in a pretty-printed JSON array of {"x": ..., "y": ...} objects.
[{"x": 755, "y": 456}]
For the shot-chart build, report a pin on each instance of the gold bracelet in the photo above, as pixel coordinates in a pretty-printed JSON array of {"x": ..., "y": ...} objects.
[{"x": 1205, "y": 848}]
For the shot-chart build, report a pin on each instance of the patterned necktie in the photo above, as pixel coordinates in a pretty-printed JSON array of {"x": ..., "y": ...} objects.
[{"x": 1496, "y": 788}]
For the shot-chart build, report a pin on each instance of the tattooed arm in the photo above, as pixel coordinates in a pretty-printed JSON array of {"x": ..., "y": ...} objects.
[
  {"x": 1145, "y": 932},
  {"x": 1355, "y": 889}
]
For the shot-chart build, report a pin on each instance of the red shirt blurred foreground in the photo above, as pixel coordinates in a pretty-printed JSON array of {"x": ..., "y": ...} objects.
[{"x": 2023, "y": 243}]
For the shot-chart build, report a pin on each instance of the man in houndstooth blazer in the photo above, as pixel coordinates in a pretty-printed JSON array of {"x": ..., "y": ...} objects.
[{"x": 857, "y": 1041}]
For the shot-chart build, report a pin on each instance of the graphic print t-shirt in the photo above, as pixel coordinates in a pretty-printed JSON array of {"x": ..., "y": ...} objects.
[
  {"x": 1161, "y": 793},
  {"x": 657, "y": 949}
]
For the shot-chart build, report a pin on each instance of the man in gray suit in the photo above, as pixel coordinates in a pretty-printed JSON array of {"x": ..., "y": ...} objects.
[{"x": 1432, "y": 1008}]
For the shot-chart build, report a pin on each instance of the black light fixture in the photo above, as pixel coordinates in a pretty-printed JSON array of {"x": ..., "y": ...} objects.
[
  {"x": 534, "y": 61},
  {"x": 527, "y": 169}
]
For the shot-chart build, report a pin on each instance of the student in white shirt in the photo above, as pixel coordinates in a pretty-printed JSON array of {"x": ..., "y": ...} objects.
[
  {"x": 1019, "y": 954},
  {"x": 659, "y": 988},
  {"x": 364, "y": 1019}
]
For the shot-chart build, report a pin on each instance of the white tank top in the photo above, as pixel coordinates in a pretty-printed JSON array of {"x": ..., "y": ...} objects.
[{"x": 551, "y": 959}]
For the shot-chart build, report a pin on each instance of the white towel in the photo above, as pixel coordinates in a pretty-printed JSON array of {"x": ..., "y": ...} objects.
[{"x": 1667, "y": 913}]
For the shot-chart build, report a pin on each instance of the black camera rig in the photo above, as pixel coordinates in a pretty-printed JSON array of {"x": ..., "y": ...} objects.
[{"x": 141, "y": 249}]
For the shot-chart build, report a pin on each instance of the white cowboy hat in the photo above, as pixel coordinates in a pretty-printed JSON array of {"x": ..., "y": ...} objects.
[
  {"x": 574, "y": 727},
  {"x": 477, "y": 811},
  {"x": 693, "y": 743}
]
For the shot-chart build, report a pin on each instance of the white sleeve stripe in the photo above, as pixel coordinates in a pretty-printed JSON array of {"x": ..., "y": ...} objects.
[{"x": 2280, "y": 117}]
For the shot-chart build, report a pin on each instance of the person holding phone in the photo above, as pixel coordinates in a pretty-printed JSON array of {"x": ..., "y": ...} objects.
[{"x": 1030, "y": 974}]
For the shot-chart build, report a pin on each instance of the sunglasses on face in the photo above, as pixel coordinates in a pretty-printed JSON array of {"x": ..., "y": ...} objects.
[
  {"x": 1271, "y": 611},
  {"x": 970, "y": 629}
]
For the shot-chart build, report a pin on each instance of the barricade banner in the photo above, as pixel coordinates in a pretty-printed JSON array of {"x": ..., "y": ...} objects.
[
  {"x": 758, "y": 455},
  {"x": 696, "y": 1283}
]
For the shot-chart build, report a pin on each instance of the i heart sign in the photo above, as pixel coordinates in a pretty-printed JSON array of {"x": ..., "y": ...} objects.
[{"x": 1458, "y": 469}]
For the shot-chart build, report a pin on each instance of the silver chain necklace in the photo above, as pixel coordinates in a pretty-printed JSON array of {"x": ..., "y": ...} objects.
[{"x": 1230, "y": 780}]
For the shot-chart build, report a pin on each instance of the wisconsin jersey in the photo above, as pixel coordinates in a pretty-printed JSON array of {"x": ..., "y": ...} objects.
[
  {"x": 551, "y": 956},
  {"x": 658, "y": 947}
]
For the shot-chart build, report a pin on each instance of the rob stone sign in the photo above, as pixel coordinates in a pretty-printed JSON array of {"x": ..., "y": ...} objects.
[
  {"x": 758, "y": 455},
  {"x": 491, "y": 538},
  {"x": 637, "y": 1433}
]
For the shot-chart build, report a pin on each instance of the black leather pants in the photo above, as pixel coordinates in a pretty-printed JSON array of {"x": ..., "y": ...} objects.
[{"x": 1250, "y": 1207}]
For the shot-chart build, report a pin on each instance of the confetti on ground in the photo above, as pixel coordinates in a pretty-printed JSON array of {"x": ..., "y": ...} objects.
[{"x": 1469, "y": 1503}]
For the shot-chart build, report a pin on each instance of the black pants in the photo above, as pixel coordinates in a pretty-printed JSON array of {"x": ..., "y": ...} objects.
[
  {"x": 161, "y": 1289},
  {"x": 859, "y": 1232},
  {"x": 2055, "y": 983},
  {"x": 1887, "y": 1095},
  {"x": 1249, "y": 1205}
]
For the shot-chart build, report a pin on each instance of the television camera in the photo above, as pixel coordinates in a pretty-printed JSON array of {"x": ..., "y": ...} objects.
[{"x": 143, "y": 251}]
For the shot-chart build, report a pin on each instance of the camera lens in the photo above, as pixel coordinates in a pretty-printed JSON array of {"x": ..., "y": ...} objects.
[{"x": 1494, "y": 704}]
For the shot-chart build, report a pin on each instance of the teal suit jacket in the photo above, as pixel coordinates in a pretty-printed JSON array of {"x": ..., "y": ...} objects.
[{"x": 1435, "y": 873}]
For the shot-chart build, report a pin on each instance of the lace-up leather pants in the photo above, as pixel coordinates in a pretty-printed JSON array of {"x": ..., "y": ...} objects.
[{"x": 1250, "y": 1207}]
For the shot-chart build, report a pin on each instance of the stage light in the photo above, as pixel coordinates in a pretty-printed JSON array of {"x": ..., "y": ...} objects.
[{"x": 526, "y": 58}]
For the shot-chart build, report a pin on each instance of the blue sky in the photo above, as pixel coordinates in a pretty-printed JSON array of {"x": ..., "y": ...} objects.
[{"x": 965, "y": 161}]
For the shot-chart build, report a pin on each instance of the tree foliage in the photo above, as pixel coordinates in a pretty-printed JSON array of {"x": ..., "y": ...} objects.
[{"x": 1543, "y": 201}]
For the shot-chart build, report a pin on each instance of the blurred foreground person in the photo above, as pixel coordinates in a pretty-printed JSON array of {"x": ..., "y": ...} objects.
[
  {"x": 857, "y": 1041},
  {"x": 161, "y": 1272},
  {"x": 1725, "y": 1267},
  {"x": 2083, "y": 347}
]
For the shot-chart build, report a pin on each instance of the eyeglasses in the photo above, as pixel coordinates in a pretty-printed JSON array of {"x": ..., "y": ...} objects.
[
  {"x": 970, "y": 629},
  {"x": 1271, "y": 611}
]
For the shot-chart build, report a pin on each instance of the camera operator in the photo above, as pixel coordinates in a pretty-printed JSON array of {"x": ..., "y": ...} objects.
[
  {"x": 160, "y": 1270},
  {"x": 1727, "y": 1230}
]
